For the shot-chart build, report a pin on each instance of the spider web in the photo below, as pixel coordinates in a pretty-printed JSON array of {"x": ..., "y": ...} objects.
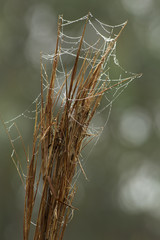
[{"x": 97, "y": 38}]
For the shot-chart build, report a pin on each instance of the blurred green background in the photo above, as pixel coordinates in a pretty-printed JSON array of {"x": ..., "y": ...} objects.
[{"x": 121, "y": 200}]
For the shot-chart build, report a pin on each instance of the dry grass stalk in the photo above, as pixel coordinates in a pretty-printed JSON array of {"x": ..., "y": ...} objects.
[{"x": 60, "y": 137}]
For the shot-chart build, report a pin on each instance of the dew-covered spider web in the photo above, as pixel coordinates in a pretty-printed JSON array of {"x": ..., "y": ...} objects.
[{"x": 97, "y": 38}]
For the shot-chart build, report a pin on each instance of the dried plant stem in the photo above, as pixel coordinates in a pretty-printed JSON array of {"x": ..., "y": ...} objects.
[{"x": 58, "y": 138}]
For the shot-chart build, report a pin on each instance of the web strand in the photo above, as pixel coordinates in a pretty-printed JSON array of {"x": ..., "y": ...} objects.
[{"x": 101, "y": 36}]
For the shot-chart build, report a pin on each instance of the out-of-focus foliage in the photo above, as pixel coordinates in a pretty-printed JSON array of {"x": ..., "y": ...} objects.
[{"x": 122, "y": 198}]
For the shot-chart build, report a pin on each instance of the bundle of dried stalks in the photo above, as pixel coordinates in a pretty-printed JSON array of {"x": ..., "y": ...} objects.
[{"x": 60, "y": 136}]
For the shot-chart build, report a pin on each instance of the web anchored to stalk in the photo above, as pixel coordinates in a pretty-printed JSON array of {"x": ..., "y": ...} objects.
[{"x": 82, "y": 73}]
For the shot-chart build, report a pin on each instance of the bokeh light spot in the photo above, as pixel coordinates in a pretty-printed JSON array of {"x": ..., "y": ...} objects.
[
  {"x": 153, "y": 36},
  {"x": 138, "y": 7},
  {"x": 135, "y": 126},
  {"x": 140, "y": 190},
  {"x": 41, "y": 23}
]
